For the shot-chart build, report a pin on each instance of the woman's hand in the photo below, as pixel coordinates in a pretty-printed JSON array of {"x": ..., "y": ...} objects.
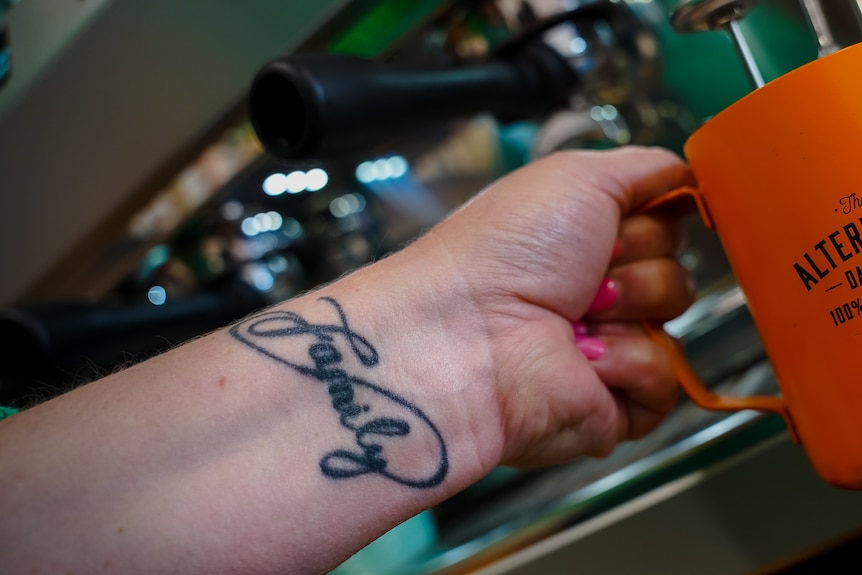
[{"x": 562, "y": 270}]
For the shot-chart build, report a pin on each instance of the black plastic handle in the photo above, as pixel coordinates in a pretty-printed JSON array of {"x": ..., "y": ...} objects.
[
  {"x": 319, "y": 105},
  {"x": 58, "y": 343}
]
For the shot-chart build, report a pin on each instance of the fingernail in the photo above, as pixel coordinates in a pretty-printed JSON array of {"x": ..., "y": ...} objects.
[
  {"x": 579, "y": 327},
  {"x": 591, "y": 347},
  {"x": 605, "y": 297},
  {"x": 617, "y": 247}
]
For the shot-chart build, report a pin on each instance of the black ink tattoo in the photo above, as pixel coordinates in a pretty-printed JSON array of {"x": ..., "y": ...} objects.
[{"x": 383, "y": 425}]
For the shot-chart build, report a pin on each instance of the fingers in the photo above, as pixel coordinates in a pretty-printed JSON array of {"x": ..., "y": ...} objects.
[
  {"x": 656, "y": 289},
  {"x": 640, "y": 376},
  {"x": 645, "y": 281},
  {"x": 647, "y": 236}
]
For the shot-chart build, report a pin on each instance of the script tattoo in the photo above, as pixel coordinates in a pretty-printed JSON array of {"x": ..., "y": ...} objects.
[{"x": 387, "y": 432}]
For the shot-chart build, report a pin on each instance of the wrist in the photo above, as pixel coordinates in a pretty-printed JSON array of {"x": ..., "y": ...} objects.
[{"x": 433, "y": 355}]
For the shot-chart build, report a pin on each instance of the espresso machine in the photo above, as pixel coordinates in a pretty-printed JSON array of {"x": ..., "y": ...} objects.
[
  {"x": 514, "y": 80},
  {"x": 356, "y": 141}
]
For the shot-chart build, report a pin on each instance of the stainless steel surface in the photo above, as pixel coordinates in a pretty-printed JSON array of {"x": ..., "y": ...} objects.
[
  {"x": 744, "y": 52},
  {"x": 591, "y": 490},
  {"x": 749, "y": 513},
  {"x": 826, "y": 42}
]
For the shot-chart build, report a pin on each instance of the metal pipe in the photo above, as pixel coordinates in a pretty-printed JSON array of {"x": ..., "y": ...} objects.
[
  {"x": 826, "y": 43},
  {"x": 752, "y": 71}
]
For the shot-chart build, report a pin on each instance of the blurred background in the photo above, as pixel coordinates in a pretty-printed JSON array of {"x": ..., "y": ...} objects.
[{"x": 149, "y": 195}]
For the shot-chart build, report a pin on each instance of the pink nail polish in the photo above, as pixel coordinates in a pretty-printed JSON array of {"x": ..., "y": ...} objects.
[
  {"x": 591, "y": 347},
  {"x": 605, "y": 297},
  {"x": 579, "y": 327}
]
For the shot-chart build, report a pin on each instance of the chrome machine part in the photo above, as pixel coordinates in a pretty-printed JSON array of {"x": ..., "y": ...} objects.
[
  {"x": 826, "y": 43},
  {"x": 706, "y": 15},
  {"x": 620, "y": 98}
]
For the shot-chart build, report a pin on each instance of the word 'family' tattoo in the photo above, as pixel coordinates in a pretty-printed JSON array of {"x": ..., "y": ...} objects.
[{"x": 391, "y": 437}]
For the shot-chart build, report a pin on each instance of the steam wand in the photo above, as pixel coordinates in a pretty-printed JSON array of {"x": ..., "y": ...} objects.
[{"x": 725, "y": 14}]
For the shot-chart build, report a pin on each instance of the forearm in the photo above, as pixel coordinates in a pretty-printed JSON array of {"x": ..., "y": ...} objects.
[{"x": 282, "y": 444}]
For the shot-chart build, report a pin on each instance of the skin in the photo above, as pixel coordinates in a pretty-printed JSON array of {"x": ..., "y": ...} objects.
[{"x": 290, "y": 440}]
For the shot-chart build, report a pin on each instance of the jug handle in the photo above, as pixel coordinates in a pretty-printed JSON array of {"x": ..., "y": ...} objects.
[{"x": 694, "y": 387}]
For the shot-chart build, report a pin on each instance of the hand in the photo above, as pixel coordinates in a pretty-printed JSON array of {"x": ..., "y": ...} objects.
[{"x": 535, "y": 249}]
